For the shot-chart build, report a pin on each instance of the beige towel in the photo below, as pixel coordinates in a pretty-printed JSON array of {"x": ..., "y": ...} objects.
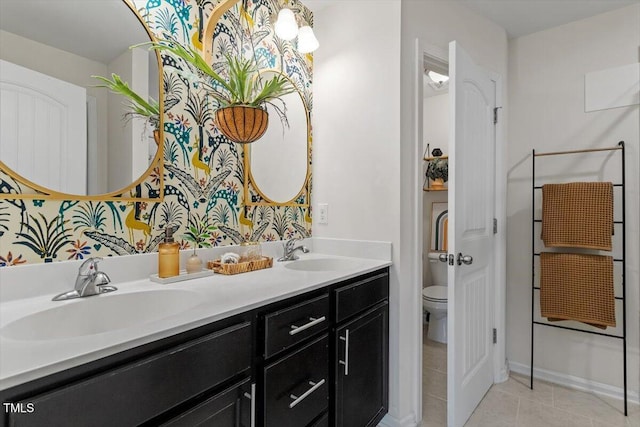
[
  {"x": 577, "y": 287},
  {"x": 578, "y": 214}
]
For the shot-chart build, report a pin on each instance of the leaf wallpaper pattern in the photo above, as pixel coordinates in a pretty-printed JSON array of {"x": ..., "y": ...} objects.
[{"x": 203, "y": 170}]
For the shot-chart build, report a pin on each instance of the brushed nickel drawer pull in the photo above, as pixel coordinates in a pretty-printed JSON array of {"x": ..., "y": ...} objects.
[
  {"x": 313, "y": 321},
  {"x": 314, "y": 387},
  {"x": 345, "y": 362},
  {"x": 252, "y": 398}
]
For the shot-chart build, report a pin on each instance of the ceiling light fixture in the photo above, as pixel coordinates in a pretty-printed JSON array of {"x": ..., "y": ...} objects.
[
  {"x": 437, "y": 77},
  {"x": 286, "y": 28},
  {"x": 436, "y": 80}
]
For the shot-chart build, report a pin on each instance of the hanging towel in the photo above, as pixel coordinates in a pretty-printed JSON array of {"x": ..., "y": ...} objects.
[
  {"x": 578, "y": 214},
  {"x": 577, "y": 287}
]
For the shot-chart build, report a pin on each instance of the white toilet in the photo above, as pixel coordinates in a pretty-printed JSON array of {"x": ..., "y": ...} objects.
[{"x": 434, "y": 299}]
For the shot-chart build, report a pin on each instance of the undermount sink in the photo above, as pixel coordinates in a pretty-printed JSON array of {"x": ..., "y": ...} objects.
[
  {"x": 323, "y": 264},
  {"x": 99, "y": 314}
]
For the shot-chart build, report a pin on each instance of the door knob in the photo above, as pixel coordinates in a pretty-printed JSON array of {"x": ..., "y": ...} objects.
[
  {"x": 443, "y": 257},
  {"x": 464, "y": 259}
]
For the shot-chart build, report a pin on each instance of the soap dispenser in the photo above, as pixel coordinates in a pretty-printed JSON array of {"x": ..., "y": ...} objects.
[{"x": 168, "y": 256}]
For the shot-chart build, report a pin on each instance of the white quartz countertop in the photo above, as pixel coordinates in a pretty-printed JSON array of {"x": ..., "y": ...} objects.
[{"x": 216, "y": 297}]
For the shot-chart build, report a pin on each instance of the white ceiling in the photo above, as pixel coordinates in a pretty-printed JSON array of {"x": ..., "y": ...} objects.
[{"x": 521, "y": 17}]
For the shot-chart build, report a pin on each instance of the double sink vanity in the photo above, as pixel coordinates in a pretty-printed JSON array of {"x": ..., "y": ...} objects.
[{"x": 304, "y": 343}]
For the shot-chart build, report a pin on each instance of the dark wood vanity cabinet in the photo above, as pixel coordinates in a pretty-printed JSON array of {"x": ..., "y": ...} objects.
[
  {"x": 315, "y": 360},
  {"x": 361, "y": 391},
  {"x": 233, "y": 407},
  {"x": 361, "y": 343}
]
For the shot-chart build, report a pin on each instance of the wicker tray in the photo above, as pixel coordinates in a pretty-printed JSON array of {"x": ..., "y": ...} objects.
[{"x": 241, "y": 267}]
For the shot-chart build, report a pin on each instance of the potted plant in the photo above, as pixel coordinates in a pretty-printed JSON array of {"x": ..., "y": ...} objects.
[
  {"x": 138, "y": 106},
  {"x": 198, "y": 233},
  {"x": 241, "y": 96},
  {"x": 438, "y": 172}
]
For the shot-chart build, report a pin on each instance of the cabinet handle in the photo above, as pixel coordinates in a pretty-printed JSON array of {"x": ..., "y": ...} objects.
[
  {"x": 313, "y": 321},
  {"x": 252, "y": 398},
  {"x": 314, "y": 387},
  {"x": 345, "y": 362}
]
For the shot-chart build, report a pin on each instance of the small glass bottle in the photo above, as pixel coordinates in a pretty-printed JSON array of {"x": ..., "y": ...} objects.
[
  {"x": 251, "y": 251},
  {"x": 168, "y": 256}
]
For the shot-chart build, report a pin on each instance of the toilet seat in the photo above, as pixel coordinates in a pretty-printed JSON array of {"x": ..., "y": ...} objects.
[{"x": 435, "y": 293}]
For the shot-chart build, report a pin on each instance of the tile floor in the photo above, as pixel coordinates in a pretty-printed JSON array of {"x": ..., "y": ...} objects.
[{"x": 513, "y": 404}]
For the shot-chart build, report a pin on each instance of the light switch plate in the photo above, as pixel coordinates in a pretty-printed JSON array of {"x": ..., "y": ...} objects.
[{"x": 323, "y": 213}]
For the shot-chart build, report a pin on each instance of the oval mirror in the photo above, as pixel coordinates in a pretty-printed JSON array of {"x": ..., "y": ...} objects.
[
  {"x": 59, "y": 130},
  {"x": 279, "y": 161}
]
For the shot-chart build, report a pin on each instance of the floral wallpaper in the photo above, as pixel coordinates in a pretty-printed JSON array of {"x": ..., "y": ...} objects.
[{"x": 203, "y": 171}]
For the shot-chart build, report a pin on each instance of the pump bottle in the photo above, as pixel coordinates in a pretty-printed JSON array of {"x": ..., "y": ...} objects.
[{"x": 168, "y": 256}]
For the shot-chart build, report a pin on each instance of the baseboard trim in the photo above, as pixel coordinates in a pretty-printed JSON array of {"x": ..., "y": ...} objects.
[
  {"x": 389, "y": 421},
  {"x": 575, "y": 382}
]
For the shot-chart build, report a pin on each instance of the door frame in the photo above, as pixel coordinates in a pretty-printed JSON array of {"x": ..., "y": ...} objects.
[{"x": 500, "y": 367}]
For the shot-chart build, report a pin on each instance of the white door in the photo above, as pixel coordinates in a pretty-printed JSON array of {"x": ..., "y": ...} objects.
[
  {"x": 43, "y": 132},
  {"x": 471, "y": 212}
]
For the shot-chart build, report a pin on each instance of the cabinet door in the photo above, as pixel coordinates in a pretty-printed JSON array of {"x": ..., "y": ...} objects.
[
  {"x": 361, "y": 369},
  {"x": 233, "y": 407}
]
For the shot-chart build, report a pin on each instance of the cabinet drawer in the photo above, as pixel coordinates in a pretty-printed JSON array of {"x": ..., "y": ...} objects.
[
  {"x": 353, "y": 298},
  {"x": 296, "y": 387},
  {"x": 291, "y": 325},
  {"x": 141, "y": 390},
  {"x": 230, "y": 408}
]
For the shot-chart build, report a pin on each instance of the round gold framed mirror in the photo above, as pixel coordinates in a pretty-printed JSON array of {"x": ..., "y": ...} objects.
[
  {"x": 62, "y": 136},
  {"x": 278, "y": 164}
]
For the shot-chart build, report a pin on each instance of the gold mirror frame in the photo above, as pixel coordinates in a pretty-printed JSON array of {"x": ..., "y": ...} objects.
[
  {"x": 213, "y": 19},
  {"x": 249, "y": 180},
  {"x": 43, "y": 193}
]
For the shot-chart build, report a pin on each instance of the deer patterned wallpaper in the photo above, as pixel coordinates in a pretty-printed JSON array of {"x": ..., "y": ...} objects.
[{"x": 203, "y": 171}]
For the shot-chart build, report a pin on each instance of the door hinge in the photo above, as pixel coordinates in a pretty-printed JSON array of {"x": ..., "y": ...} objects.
[
  {"x": 495, "y": 226},
  {"x": 495, "y": 115},
  {"x": 495, "y": 336}
]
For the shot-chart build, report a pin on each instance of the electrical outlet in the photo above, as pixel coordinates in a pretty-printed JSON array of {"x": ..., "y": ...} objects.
[{"x": 323, "y": 213}]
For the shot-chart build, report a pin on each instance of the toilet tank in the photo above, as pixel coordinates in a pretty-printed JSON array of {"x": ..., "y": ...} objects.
[{"x": 438, "y": 269}]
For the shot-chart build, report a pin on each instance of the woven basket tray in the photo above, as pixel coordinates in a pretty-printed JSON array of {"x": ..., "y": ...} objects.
[{"x": 241, "y": 267}]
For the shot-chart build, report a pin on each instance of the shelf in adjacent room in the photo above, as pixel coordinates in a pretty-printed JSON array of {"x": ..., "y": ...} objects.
[{"x": 433, "y": 158}]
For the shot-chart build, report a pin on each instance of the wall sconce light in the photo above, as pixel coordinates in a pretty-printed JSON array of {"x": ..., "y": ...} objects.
[
  {"x": 307, "y": 41},
  {"x": 286, "y": 28}
]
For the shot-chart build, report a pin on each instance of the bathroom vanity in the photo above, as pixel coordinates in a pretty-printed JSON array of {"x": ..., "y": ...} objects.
[{"x": 317, "y": 357}]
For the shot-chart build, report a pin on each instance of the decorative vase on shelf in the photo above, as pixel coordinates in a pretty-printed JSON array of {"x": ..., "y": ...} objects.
[
  {"x": 437, "y": 184},
  {"x": 438, "y": 172},
  {"x": 194, "y": 264}
]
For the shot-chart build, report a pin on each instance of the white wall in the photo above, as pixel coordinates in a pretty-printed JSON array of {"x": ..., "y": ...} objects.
[
  {"x": 546, "y": 97},
  {"x": 121, "y": 130},
  {"x": 356, "y": 139}
]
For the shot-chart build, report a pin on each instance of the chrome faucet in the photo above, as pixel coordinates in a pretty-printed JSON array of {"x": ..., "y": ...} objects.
[
  {"x": 289, "y": 250},
  {"x": 90, "y": 281}
]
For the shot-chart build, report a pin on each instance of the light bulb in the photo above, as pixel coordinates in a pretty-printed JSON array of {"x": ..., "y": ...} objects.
[
  {"x": 286, "y": 27},
  {"x": 307, "y": 41}
]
